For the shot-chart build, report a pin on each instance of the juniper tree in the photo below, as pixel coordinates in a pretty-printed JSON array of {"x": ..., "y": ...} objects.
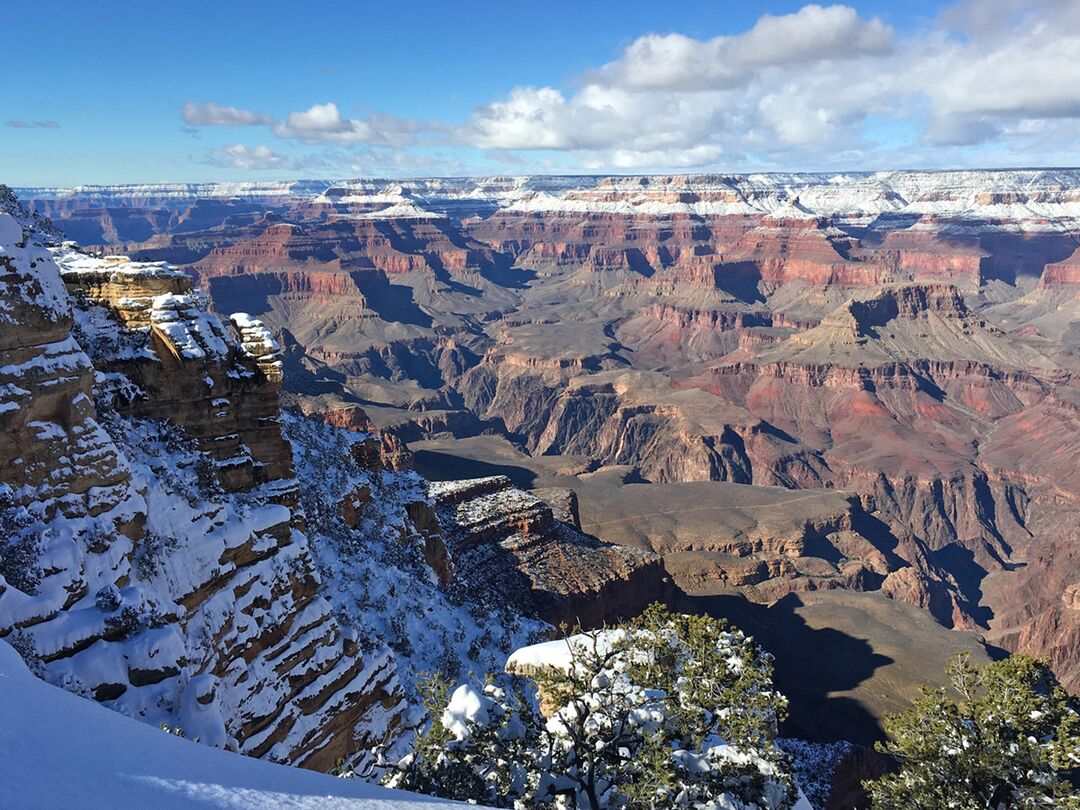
[
  {"x": 20, "y": 549},
  {"x": 667, "y": 710},
  {"x": 1011, "y": 740}
]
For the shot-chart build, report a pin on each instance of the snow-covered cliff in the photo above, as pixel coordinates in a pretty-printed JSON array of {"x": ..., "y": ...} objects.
[{"x": 1031, "y": 199}]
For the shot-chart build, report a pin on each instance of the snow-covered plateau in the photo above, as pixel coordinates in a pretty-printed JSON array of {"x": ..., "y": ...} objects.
[{"x": 1025, "y": 199}]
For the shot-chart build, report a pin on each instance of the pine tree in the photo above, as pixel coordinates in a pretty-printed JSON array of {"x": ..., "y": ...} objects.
[{"x": 1011, "y": 741}]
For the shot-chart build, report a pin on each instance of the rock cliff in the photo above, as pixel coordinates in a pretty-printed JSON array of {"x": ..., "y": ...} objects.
[{"x": 141, "y": 566}]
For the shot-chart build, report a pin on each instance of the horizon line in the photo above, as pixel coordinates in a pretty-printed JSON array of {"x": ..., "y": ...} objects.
[{"x": 568, "y": 175}]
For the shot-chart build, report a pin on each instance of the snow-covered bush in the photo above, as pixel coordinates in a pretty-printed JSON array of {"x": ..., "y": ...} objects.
[
  {"x": 108, "y": 599},
  {"x": 815, "y": 765},
  {"x": 20, "y": 550},
  {"x": 665, "y": 711},
  {"x": 479, "y": 745},
  {"x": 1012, "y": 741},
  {"x": 23, "y": 644},
  {"x": 150, "y": 553}
]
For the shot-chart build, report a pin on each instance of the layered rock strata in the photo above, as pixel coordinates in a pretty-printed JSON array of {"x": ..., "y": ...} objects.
[
  {"x": 908, "y": 336},
  {"x": 510, "y": 545},
  {"x": 219, "y": 382}
]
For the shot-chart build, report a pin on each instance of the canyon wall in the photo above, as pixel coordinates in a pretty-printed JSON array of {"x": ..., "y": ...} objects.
[{"x": 907, "y": 338}]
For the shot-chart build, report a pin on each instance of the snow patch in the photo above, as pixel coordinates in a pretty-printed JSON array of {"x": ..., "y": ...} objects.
[{"x": 60, "y": 750}]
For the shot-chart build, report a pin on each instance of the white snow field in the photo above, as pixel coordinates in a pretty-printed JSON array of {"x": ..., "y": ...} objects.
[{"x": 58, "y": 750}]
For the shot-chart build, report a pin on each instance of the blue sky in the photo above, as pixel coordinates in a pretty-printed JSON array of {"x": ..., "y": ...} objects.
[{"x": 95, "y": 92}]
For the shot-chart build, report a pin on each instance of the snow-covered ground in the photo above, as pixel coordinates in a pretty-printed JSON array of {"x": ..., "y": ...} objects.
[
  {"x": 378, "y": 583},
  {"x": 61, "y": 751}
]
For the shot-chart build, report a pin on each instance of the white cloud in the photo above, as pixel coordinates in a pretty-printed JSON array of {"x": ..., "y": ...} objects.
[
  {"x": 694, "y": 157},
  {"x": 808, "y": 89},
  {"x": 319, "y": 124},
  {"x": 529, "y": 118},
  {"x": 254, "y": 158},
  {"x": 988, "y": 81},
  {"x": 597, "y": 117},
  {"x": 677, "y": 62},
  {"x": 324, "y": 123},
  {"x": 18, "y": 123},
  {"x": 322, "y": 119},
  {"x": 810, "y": 34},
  {"x": 211, "y": 115},
  {"x": 670, "y": 100}
]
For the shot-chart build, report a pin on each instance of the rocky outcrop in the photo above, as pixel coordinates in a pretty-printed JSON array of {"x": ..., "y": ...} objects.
[
  {"x": 219, "y": 383},
  {"x": 1065, "y": 273},
  {"x": 52, "y": 449},
  {"x": 508, "y": 546},
  {"x": 127, "y": 288},
  {"x": 925, "y": 253}
]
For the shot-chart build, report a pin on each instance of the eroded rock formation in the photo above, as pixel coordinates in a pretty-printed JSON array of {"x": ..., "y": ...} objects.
[
  {"x": 906, "y": 337},
  {"x": 510, "y": 545}
]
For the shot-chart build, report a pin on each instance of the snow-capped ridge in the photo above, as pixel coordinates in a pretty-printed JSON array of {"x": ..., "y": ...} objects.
[{"x": 1030, "y": 199}]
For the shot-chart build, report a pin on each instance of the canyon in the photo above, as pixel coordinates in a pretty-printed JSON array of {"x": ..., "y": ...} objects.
[
  {"x": 179, "y": 549},
  {"x": 857, "y": 392}
]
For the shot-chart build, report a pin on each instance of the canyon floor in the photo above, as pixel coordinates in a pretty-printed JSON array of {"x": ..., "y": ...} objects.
[{"x": 843, "y": 658}]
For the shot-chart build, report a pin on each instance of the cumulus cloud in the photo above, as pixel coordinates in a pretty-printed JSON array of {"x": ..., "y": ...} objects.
[
  {"x": 596, "y": 117},
  {"x": 807, "y": 89},
  {"x": 254, "y": 158},
  {"x": 677, "y": 62},
  {"x": 677, "y": 101},
  {"x": 319, "y": 124},
  {"x": 215, "y": 115},
  {"x": 18, "y": 123},
  {"x": 324, "y": 123}
]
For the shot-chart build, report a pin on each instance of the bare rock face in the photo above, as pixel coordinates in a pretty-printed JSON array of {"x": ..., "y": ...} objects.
[
  {"x": 46, "y": 408},
  {"x": 785, "y": 249},
  {"x": 508, "y": 545},
  {"x": 1065, "y": 273},
  {"x": 563, "y": 502},
  {"x": 1071, "y": 597}
]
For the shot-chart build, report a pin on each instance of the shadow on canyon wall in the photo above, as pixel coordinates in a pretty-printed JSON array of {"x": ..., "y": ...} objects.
[
  {"x": 811, "y": 663},
  {"x": 436, "y": 465}
]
